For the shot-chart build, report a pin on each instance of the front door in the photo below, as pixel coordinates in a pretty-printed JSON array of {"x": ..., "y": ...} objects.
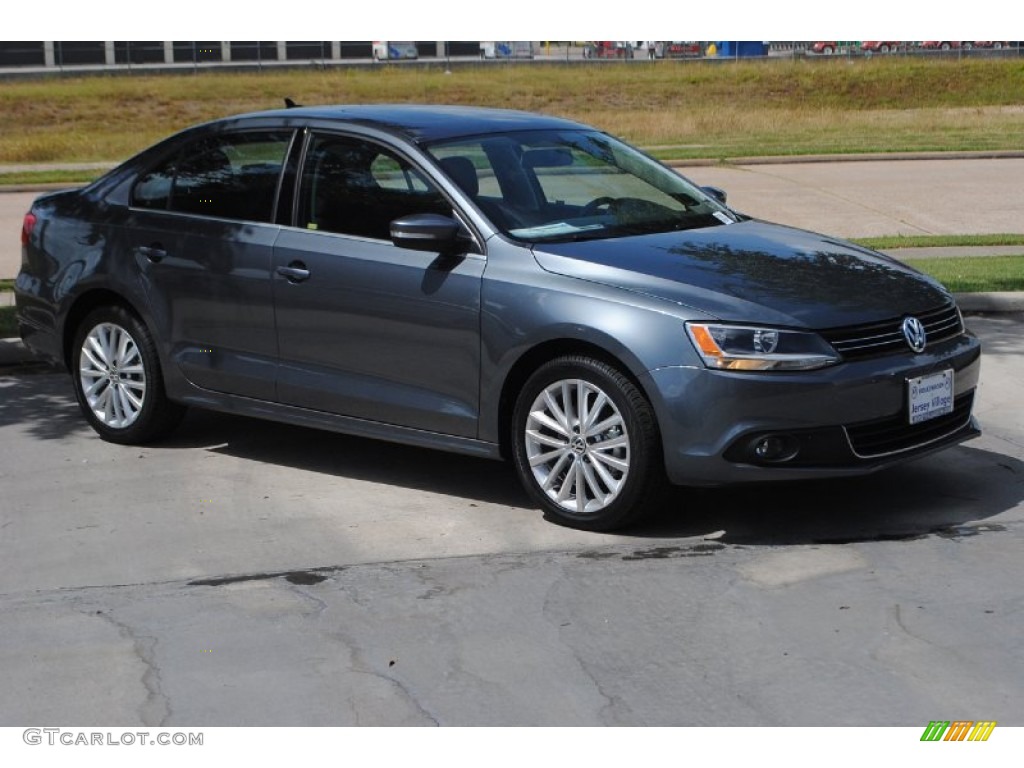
[{"x": 366, "y": 329}]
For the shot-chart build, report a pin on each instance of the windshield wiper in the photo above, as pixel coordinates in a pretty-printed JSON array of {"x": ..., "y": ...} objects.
[{"x": 571, "y": 237}]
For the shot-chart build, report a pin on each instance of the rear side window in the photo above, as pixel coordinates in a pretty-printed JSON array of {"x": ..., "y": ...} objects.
[{"x": 229, "y": 177}]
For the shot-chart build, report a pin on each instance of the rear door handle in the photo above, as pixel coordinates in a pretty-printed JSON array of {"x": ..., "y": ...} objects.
[
  {"x": 295, "y": 272},
  {"x": 155, "y": 252}
]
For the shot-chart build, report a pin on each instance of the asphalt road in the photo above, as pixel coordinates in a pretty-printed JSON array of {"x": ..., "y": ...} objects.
[
  {"x": 248, "y": 573},
  {"x": 845, "y": 199}
]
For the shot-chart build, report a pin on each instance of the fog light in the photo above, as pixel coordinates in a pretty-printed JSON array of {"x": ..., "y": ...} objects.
[{"x": 775, "y": 448}]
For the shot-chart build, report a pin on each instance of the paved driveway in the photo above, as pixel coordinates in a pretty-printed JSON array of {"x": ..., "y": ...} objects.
[{"x": 246, "y": 573}]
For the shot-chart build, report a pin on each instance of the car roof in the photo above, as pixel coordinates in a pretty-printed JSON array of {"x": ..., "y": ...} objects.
[{"x": 420, "y": 122}]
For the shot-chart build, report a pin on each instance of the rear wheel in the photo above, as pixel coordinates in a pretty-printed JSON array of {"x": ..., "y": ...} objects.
[
  {"x": 586, "y": 445},
  {"x": 117, "y": 378}
]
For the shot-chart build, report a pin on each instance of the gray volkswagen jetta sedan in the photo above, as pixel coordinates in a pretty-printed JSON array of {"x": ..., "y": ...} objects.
[{"x": 491, "y": 282}]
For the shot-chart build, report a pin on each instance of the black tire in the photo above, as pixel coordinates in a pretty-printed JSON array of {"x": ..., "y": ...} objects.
[
  {"x": 571, "y": 456},
  {"x": 121, "y": 392}
]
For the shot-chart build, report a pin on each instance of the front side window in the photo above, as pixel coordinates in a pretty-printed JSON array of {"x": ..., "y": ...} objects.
[
  {"x": 543, "y": 186},
  {"x": 356, "y": 187},
  {"x": 229, "y": 177}
]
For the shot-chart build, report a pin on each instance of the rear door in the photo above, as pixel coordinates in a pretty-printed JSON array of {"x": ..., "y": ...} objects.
[
  {"x": 200, "y": 228},
  {"x": 366, "y": 329}
]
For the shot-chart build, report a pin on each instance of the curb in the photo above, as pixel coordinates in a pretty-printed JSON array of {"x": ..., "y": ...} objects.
[
  {"x": 1010, "y": 301},
  {"x": 866, "y": 157},
  {"x": 14, "y": 353}
]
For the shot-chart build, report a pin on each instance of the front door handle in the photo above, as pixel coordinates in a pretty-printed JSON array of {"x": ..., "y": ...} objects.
[{"x": 295, "y": 272}]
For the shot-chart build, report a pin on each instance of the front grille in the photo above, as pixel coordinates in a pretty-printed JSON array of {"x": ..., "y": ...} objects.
[
  {"x": 895, "y": 434},
  {"x": 861, "y": 341}
]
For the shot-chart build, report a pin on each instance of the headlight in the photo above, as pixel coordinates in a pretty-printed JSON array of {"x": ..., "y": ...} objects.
[{"x": 750, "y": 348}]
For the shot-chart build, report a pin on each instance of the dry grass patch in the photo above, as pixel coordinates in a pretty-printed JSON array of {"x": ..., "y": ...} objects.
[{"x": 706, "y": 109}]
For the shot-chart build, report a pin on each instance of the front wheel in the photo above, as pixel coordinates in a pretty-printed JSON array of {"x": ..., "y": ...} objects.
[
  {"x": 586, "y": 445},
  {"x": 117, "y": 378}
]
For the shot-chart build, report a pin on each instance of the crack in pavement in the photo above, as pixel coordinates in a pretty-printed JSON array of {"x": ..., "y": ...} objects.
[{"x": 156, "y": 710}]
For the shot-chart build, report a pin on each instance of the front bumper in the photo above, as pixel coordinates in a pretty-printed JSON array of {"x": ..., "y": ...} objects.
[{"x": 848, "y": 419}]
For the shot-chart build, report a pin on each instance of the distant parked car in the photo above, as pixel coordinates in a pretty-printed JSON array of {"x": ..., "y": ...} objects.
[
  {"x": 827, "y": 48},
  {"x": 880, "y": 46},
  {"x": 387, "y": 50},
  {"x": 990, "y": 44},
  {"x": 944, "y": 45},
  {"x": 520, "y": 49}
]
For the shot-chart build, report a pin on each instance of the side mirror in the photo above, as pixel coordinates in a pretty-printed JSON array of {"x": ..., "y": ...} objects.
[
  {"x": 429, "y": 232},
  {"x": 716, "y": 192}
]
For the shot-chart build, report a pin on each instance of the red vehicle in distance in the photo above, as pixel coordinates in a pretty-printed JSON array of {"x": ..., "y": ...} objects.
[
  {"x": 828, "y": 47},
  {"x": 608, "y": 49},
  {"x": 881, "y": 46},
  {"x": 944, "y": 45}
]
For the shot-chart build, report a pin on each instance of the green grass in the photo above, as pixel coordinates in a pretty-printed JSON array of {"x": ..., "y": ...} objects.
[
  {"x": 937, "y": 241},
  {"x": 71, "y": 178},
  {"x": 8, "y": 325},
  {"x": 681, "y": 109},
  {"x": 975, "y": 273}
]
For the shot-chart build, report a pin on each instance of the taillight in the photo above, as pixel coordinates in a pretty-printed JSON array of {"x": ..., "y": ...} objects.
[{"x": 27, "y": 226}]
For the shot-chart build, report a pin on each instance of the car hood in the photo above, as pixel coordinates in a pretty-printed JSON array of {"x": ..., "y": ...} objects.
[{"x": 753, "y": 271}]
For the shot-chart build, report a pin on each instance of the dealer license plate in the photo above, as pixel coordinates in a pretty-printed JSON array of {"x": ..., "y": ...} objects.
[{"x": 929, "y": 397}]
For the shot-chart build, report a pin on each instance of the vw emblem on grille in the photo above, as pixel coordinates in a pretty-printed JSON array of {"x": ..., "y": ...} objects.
[{"x": 914, "y": 333}]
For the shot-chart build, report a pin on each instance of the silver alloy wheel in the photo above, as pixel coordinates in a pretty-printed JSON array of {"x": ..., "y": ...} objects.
[
  {"x": 112, "y": 375},
  {"x": 577, "y": 446}
]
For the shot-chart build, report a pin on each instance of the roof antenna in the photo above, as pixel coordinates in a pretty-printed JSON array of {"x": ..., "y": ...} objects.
[{"x": 289, "y": 104}]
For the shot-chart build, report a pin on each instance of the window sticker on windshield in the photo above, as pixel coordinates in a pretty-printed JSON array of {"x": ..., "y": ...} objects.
[{"x": 722, "y": 217}]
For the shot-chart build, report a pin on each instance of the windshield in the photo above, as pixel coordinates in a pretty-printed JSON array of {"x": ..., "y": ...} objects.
[{"x": 547, "y": 186}]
